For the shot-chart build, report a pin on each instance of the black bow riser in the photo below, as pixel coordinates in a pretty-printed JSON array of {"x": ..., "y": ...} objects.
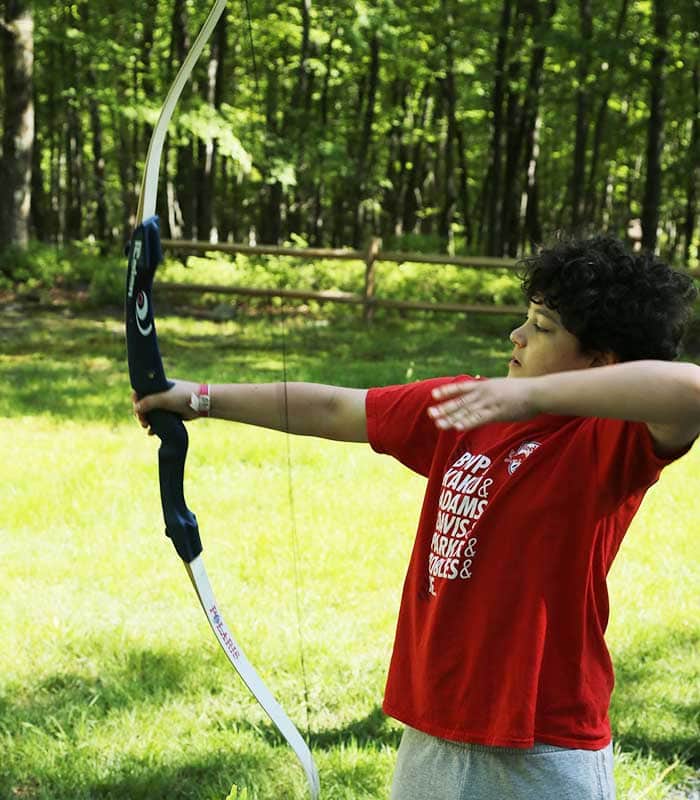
[{"x": 148, "y": 377}]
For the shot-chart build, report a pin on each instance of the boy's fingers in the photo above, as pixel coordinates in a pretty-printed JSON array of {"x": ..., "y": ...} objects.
[
  {"x": 148, "y": 403},
  {"x": 141, "y": 409},
  {"x": 168, "y": 401},
  {"x": 449, "y": 407},
  {"x": 450, "y": 389}
]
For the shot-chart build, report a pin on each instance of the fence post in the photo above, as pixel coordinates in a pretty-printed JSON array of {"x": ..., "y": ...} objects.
[{"x": 370, "y": 259}]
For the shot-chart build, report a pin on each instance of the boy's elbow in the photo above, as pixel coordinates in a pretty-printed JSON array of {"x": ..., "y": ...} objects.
[
  {"x": 689, "y": 383},
  {"x": 689, "y": 418},
  {"x": 695, "y": 390},
  {"x": 345, "y": 418}
]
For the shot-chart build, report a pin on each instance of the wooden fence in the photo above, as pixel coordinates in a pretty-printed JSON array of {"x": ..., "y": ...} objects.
[{"x": 369, "y": 257}]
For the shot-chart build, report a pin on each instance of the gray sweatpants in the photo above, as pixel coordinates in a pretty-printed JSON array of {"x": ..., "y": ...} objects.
[{"x": 429, "y": 768}]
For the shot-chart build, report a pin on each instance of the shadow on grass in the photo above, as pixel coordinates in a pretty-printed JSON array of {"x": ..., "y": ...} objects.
[
  {"x": 74, "y": 367},
  {"x": 128, "y": 679},
  {"x": 203, "y": 776},
  {"x": 373, "y": 731},
  {"x": 48, "y": 729},
  {"x": 50, "y": 721},
  {"x": 655, "y": 708}
]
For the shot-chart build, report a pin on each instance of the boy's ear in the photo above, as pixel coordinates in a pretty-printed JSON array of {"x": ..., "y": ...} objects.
[{"x": 604, "y": 359}]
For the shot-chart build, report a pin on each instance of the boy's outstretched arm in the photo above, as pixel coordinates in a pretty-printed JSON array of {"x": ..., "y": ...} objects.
[
  {"x": 308, "y": 409},
  {"x": 663, "y": 394}
]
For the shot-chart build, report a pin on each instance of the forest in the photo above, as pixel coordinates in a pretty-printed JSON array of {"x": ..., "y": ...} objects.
[{"x": 449, "y": 126}]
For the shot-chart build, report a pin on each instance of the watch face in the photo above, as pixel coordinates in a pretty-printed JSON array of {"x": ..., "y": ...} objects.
[
  {"x": 195, "y": 402},
  {"x": 200, "y": 403}
]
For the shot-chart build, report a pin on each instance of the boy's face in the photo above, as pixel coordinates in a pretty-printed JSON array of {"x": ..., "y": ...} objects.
[{"x": 543, "y": 345}]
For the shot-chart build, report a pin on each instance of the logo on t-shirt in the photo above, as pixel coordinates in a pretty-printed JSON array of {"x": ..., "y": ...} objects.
[{"x": 516, "y": 457}]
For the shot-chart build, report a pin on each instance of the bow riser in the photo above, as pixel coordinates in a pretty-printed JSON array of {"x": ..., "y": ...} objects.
[{"x": 147, "y": 376}]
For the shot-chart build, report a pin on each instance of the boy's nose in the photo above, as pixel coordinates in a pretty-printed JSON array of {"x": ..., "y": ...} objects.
[{"x": 517, "y": 338}]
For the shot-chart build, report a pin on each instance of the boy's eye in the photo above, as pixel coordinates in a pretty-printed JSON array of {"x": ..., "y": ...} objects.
[{"x": 539, "y": 328}]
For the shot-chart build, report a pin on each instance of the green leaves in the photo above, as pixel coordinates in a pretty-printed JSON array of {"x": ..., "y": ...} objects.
[{"x": 349, "y": 119}]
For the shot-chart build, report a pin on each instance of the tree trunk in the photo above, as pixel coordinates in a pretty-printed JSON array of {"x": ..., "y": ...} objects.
[
  {"x": 533, "y": 224},
  {"x": 396, "y": 159},
  {"x": 17, "y": 33},
  {"x": 127, "y": 203},
  {"x": 144, "y": 131},
  {"x": 39, "y": 201},
  {"x": 98, "y": 161},
  {"x": 655, "y": 136},
  {"x": 494, "y": 240},
  {"x": 514, "y": 136},
  {"x": 412, "y": 196},
  {"x": 691, "y": 208},
  {"x": 318, "y": 212},
  {"x": 530, "y": 126},
  {"x": 338, "y": 220},
  {"x": 464, "y": 187},
  {"x": 296, "y": 121},
  {"x": 582, "y": 105},
  {"x": 601, "y": 116},
  {"x": 181, "y": 194},
  {"x": 449, "y": 205},
  {"x": 51, "y": 131},
  {"x": 363, "y": 152},
  {"x": 271, "y": 197},
  {"x": 98, "y": 165},
  {"x": 74, "y": 170},
  {"x": 207, "y": 151}
]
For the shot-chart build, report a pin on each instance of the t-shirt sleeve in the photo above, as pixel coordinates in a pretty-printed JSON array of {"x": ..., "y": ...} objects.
[
  {"x": 624, "y": 458},
  {"x": 398, "y": 423}
]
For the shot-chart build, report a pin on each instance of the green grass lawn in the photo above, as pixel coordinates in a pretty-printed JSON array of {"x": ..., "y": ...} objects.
[{"x": 111, "y": 683}]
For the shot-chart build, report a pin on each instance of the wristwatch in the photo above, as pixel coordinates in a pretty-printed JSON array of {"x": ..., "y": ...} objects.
[{"x": 200, "y": 402}]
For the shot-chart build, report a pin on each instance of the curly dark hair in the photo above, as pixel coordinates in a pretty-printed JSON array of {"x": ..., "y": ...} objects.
[{"x": 612, "y": 299}]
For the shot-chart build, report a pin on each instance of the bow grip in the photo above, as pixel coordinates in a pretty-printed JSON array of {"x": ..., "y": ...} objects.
[{"x": 148, "y": 377}]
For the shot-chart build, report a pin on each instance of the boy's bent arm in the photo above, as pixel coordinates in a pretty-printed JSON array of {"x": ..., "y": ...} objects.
[
  {"x": 663, "y": 394},
  {"x": 308, "y": 409}
]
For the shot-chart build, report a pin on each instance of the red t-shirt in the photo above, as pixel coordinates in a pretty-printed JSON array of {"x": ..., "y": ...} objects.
[{"x": 500, "y": 636}]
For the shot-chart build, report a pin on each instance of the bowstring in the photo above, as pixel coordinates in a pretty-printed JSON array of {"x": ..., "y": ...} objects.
[
  {"x": 288, "y": 447},
  {"x": 295, "y": 538}
]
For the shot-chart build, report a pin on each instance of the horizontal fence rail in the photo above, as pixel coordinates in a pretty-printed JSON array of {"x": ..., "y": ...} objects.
[
  {"x": 486, "y": 262},
  {"x": 334, "y": 296},
  {"x": 369, "y": 257}
]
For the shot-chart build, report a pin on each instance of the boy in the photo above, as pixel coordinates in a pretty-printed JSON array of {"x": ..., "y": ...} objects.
[{"x": 500, "y": 670}]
